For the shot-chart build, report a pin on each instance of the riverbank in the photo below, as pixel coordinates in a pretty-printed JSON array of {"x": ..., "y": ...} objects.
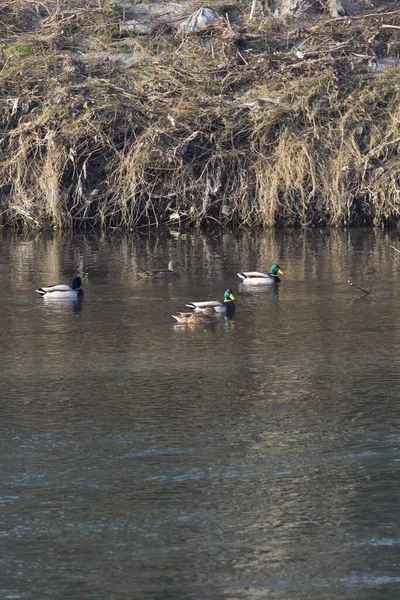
[{"x": 247, "y": 122}]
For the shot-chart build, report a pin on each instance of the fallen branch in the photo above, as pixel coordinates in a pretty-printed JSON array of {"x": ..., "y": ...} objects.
[
  {"x": 253, "y": 9},
  {"x": 31, "y": 215},
  {"x": 394, "y": 248},
  {"x": 377, "y": 150},
  {"x": 356, "y": 286},
  {"x": 357, "y": 17}
]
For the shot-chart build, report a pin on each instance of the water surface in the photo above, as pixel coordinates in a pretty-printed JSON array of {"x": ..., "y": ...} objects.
[{"x": 255, "y": 458}]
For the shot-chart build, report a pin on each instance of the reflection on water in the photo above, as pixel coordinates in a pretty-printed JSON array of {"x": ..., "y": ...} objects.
[
  {"x": 61, "y": 305},
  {"x": 256, "y": 457}
]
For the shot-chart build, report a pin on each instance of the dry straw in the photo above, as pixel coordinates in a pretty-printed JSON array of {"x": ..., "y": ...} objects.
[{"x": 252, "y": 124}]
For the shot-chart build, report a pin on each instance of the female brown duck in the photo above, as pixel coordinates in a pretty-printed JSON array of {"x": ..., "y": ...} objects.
[{"x": 173, "y": 271}]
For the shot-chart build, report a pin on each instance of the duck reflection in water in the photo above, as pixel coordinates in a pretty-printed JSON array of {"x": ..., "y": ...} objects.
[
  {"x": 273, "y": 290},
  {"x": 71, "y": 304}
]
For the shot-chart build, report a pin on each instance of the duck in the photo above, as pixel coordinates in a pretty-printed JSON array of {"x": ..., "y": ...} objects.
[
  {"x": 257, "y": 278},
  {"x": 62, "y": 291},
  {"x": 227, "y": 307},
  {"x": 172, "y": 271},
  {"x": 208, "y": 315}
]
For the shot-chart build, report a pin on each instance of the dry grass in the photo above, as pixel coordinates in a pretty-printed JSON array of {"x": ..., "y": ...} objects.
[{"x": 103, "y": 128}]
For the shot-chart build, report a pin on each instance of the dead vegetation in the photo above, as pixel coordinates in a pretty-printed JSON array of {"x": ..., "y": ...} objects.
[{"x": 253, "y": 123}]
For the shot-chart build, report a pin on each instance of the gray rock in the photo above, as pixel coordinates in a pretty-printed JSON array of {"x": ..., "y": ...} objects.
[{"x": 200, "y": 18}]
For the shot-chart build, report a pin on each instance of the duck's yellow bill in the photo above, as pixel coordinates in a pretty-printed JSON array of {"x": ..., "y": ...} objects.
[
  {"x": 281, "y": 272},
  {"x": 231, "y": 296}
]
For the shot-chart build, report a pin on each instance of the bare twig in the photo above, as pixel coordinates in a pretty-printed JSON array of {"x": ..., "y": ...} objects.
[
  {"x": 394, "y": 248},
  {"x": 356, "y": 286}
]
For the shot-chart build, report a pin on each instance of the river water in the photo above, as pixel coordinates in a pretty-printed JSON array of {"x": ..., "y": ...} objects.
[{"x": 254, "y": 458}]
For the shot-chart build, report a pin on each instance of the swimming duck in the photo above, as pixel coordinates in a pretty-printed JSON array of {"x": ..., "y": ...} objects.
[
  {"x": 227, "y": 307},
  {"x": 257, "y": 278},
  {"x": 173, "y": 271},
  {"x": 62, "y": 291},
  {"x": 208, "y": 315}
]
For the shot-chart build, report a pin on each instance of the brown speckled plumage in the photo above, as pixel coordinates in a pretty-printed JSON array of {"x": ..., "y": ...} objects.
[
  {"x": 207, "y": 316},
  {"x": 172, "y": 271}
]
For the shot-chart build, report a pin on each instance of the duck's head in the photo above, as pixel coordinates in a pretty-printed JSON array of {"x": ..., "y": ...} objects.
[
  {"x": 276, "y": 270},
  {"x": 76, "y": 283},
  {"x": 175, "y": 265},
  {"x": 228, "y": 295}
]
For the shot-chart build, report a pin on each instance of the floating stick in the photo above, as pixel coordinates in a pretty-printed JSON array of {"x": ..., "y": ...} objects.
[{"x": 356, "y": 286}]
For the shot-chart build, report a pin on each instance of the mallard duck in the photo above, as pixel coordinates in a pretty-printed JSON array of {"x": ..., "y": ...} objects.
[
  {"x": 173, "y": 271},
  {"x": 257, "y": 278},
  {"x": 227, "y": 307},
  {"x": 62, "y": 291},
  {"x": 208, "y": 315}
]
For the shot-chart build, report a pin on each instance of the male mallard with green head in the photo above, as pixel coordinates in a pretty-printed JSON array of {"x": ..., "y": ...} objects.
[
  {"x": 227, "y": 307},
  {"x": 174, "y": 267},
  {"x": 62, "y": 291},
  {"x": 258, "y": 278}
]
